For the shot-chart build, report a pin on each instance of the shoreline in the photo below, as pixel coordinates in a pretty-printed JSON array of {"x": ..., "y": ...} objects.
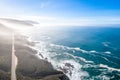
[
  {"x": 29, "y": 66},
  {"x": 49, "y": 72}
]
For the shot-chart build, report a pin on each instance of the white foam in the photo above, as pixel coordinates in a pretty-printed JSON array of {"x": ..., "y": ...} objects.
[
  {"x": 105, "y": 59},
  {"x": 76, "y": 57},
  {"x": 109, "y": 68},
  {"x": 77, "y": 74},
  {"x": 76, "y": 71},
  {"x": 77, "y": 49},
  {"x": 103, "y": 77},
  {"x": 106, "y": 44},
  {"x": 93, "y": 51},
  {"x": 38, "y": 51},
  {"x": 69, "y": 48},
  {"x": 51, "y": 52},
  {"x": 107, "y": 52}
]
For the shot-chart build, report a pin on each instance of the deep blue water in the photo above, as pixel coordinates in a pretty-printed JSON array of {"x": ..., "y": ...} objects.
[{"x": 96, "y": 49}]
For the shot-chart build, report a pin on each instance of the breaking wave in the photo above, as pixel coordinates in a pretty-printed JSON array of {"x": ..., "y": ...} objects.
[
  {"x": 63, "y": 58},
  {"x": 109, "y": 68}
]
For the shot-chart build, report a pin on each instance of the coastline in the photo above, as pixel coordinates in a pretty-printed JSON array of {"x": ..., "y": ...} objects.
[{"x": 29, "y": 66}]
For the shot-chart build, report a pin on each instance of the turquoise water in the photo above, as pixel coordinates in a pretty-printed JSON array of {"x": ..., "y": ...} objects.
[{"x": 94, "y": 52}]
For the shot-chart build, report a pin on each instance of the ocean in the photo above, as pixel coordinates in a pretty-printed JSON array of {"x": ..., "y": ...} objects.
[{"x": 82, "y": 53}]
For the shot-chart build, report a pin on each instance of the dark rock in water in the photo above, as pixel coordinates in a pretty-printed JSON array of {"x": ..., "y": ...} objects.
[
  {"x": 67, "y": 68},
  {"x": 41, "y": 55},
  {"x": 64, "y": 77},
  {"x": 69, "y": 65}
]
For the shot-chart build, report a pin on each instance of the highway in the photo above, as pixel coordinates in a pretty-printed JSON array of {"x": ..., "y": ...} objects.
[{"x": 14, "y": 60}]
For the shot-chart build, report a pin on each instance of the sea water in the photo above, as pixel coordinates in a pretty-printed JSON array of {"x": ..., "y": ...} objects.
[{"x": 87, "y": 53}]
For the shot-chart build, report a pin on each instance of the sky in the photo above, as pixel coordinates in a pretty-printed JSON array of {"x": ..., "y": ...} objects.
[{"x": 63, "y": 12}]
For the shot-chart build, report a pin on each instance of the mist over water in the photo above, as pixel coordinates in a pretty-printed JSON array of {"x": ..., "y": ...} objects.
[{"x": 82, "y": 53}]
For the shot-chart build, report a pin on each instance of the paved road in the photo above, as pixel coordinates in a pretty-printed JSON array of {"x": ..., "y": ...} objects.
[{"x": 14, "y": 61}]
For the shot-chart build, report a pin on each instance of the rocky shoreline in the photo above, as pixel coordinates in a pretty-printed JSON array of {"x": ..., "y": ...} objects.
[{"x": 29, "y": 66}]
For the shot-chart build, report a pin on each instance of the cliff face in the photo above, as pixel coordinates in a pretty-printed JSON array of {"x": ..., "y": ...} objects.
[{"x": 29, "y": 66}]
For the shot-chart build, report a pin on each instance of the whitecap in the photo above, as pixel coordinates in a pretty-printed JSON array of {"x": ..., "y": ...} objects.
[
  {"x": 77, "y": 49},
  {"x": 109, "y": 68},
  {"x": 93, "y": 51},
  {"x": 80, "y": 58},
  {"x": 106, "y": 44},
  {"x": 107, "y": 52}
]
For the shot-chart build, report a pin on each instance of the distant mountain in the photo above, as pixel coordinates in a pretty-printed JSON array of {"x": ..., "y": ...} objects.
[{"x": 20, "y": 22}]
